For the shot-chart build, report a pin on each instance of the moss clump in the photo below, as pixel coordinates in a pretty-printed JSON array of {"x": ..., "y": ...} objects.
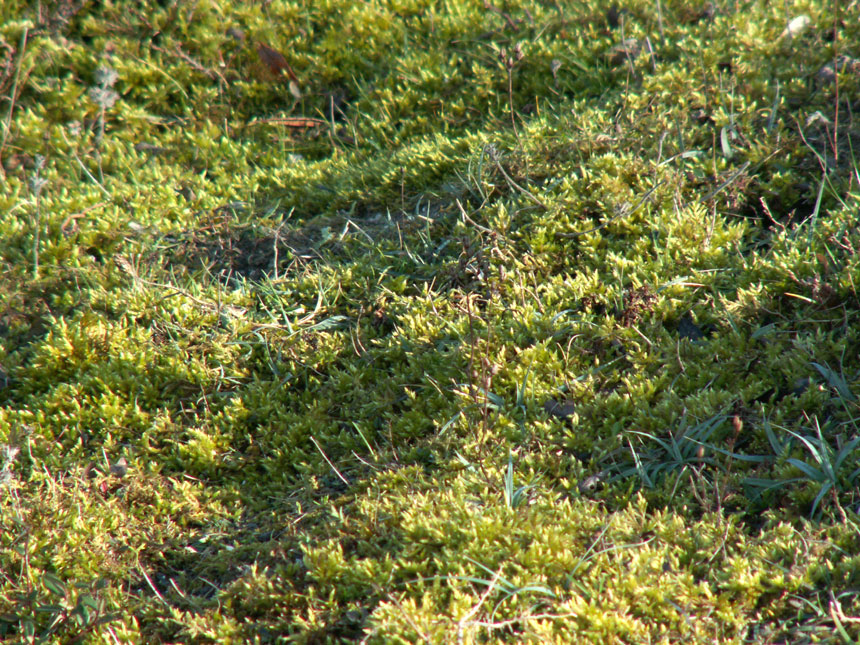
[{"x": 397, "y": 322}]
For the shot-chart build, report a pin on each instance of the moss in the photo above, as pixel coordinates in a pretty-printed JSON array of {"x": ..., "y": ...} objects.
[{"x": 398, "y": 322}]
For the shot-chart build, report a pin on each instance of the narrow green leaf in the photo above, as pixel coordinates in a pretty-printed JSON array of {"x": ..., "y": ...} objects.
[
  {"x": 49, "y": 609},
  {"x": 509, "y": 483},
  {"x": 813, "y": 473},
  {"x": 835, "y": 381},
  {"x": 53, "y": 584},
  {"x": 521, "y": 392},
  {"x": 86, "y": 600},
  {"x": 824, "y": 490}
]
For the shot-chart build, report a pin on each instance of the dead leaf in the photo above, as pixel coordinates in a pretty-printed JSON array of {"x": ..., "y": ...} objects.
[
  {"x": 613, "y": 16},
  {"x": 695, "y": 14},
  {"x": 827, "y": 74},
  {"x": 344, "y": 136},
  {"x": 275, "y": 61},
  {"x": 236, "y": 34},
  {"x": 149, "y": 148}
]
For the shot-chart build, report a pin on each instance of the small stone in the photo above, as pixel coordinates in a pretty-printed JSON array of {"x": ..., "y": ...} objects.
[
  {"x": 827, "y": 74},
  {"x": 591, "y": 484},
  {"x": 119, "y": 468},
  {"x": 796, "y": 27}
]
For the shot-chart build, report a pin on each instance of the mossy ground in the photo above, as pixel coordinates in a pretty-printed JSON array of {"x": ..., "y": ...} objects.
[{"x": 429, "y": 321}]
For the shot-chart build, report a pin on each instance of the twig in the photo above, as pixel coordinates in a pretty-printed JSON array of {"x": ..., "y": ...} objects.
[
  {"x": 466, "y": 218},
  {"x": 328, "y": 461},
  {"x": 37, "y": 183},
  {"x": 76, "y": 216},
  {"x": 465, "y": 619},
  {"x": 503, "y": 624},
  {"x": 152, "y": 586},
  {"x": 86, "y": 170},
  {"x": 660, "y": 23},
  {"x": 291, "y": 122},
  {"x": 507, "y": 18},
  {"x": 14, "y": 94},
  {"x": 836, "y": 82},
  {"x": 612, "y": 219},
  {"x": 651, "y": 55},
  {"x": 728, "y": 181},
  {"x": 494, "y": 156}
]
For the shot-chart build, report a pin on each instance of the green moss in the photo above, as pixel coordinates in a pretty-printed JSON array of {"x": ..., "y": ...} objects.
[{"x": 368, "y": 357}]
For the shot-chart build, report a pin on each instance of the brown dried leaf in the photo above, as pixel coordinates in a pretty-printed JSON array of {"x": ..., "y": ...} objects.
[
  {"x": 636, "y": 303},
  {"x": 275, "y": 61},
  {"x": 236, "y": 34}
]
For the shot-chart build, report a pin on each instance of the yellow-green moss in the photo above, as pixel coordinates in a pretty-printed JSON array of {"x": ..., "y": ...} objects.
[{"x": 362, "y": 356}]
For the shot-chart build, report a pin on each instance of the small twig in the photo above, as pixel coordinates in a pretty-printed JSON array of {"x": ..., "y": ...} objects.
[
  {"x": 85, "y": 169},
  {"x": 37, "y": 183},
  {"x": 509, "y": 62},
  {"x": 237, "y": 312},
  {"x": 490, "y": 588},
  {"x": 422, "y": 635},
  {"x": 466, "y": 218},
  {"x": 76, "y": 216},
  {"x": 503, "y": 624},
  {"x": 612, "y": 219},
  {"x": 211, "y": 74},
  {"x": 726, "y": 183},
  {"x": 291, "y": 122},
  {"x": 660, "y": 22},
  {"x": 91, "y": 176},
  {"x": 509, "y": 179},
  {"x": 836, "y": 82},
  {"x": 510, "y": 70},
  {"x": 328, "y": 461},
  {"x": 837, "y": 608},
  {"x": 152, "y": 586},
  {"x": 507, "y": 18},
  {"x": 651, "y": 55},
  {"x": 13, "y": 95}
]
